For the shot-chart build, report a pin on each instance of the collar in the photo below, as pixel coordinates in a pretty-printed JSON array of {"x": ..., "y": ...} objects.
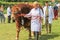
[{"x": 48, "y": 6}]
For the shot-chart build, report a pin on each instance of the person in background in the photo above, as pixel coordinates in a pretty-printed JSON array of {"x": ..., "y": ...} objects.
[
  {"x": 48, "y": 16},
  {"x": 55, "y": 12},
  {"x": 2, "y": 17},
  {"x": 58, "y": 5},
  {"x": 36, "y": 15},
  {"x": 9, "y": 14},
  {"x": 59, "y": 10}
]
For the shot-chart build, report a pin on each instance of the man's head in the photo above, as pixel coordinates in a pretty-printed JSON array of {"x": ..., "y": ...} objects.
[
  {"x": 9, "y": 6},
  {"x": 46, "y": 3},
  {"x": 35, "y": 4}
]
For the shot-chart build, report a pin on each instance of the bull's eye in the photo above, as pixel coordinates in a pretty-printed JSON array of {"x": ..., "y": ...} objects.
[
  {"x": 19, "y": 9},
  {"x": 15, "y": 12}
]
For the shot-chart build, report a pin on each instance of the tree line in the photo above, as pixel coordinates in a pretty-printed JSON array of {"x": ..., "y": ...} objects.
[{"x": 17, "y": 0}]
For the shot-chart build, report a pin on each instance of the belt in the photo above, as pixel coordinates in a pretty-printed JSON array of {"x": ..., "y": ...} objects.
[{"x": 47, "y": 16}]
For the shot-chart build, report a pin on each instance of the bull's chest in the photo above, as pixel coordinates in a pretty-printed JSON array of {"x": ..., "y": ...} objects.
[{"x": 22, "y": 21}]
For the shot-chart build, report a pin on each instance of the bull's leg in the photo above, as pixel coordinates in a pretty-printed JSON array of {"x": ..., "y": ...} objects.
[
  {"x": 17, "y": 33},
  {"x": 17, "y": 30}
]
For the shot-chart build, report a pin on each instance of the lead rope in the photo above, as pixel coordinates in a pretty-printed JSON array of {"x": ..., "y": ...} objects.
[{"x": 22, "y": 21}]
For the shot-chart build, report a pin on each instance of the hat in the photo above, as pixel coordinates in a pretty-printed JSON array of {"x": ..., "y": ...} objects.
[{"x": 35, "y": 2}]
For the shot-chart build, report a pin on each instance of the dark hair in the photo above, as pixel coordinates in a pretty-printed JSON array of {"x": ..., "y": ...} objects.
[{"x": 46, "y": 2}]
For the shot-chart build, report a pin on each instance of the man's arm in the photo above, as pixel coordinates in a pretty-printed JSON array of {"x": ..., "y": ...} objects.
[
  {"x": 29, "y": 14},
  {"x": 41, "y": 15},
  {"x": 52, "y": 12}
]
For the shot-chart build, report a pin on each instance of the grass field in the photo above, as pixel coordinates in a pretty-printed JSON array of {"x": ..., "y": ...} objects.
[{"x": 8, "y": 31}]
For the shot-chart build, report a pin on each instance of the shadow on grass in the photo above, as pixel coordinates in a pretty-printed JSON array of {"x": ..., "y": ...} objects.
[{"x": 46, "y": 37}]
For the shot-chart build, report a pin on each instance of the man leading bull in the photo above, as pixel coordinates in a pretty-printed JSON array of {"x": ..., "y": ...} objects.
[{"x": 36, "y": 15}]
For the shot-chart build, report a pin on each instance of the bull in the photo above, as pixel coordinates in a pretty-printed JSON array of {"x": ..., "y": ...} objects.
[{"x": 17, "y": 11}]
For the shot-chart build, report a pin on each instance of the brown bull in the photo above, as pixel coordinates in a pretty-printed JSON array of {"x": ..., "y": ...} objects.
[{"x": 17, "y": 12}]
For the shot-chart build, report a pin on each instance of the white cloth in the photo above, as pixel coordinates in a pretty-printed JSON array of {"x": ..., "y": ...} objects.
[
  {"x": 8, "y": 11},
  {"x": 50, "y": 12},
  {"x": 35, "y": 15},
  {"x": 58, "y": 4}
]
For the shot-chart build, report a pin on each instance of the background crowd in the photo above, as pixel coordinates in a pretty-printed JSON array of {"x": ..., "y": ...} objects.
[{"x": 56, "y": 8}]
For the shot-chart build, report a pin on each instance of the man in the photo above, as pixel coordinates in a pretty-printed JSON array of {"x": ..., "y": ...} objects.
[
  {"x": 9, "y": 14},
  {"x": 55, "y": 12},
  {"x": 48, "y": 16},
  {"x": 36, "y": 15},
  {"x": 1, "y": 14}
]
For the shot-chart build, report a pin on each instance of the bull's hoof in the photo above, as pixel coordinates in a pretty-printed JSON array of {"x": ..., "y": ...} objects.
[{"x": 17, "y": 39}]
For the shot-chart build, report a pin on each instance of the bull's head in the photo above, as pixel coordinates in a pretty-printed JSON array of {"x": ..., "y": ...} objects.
[{"x": 22, "y": 9}]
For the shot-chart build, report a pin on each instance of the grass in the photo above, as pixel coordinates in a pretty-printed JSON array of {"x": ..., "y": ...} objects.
[{"x": 8, "y": 31}]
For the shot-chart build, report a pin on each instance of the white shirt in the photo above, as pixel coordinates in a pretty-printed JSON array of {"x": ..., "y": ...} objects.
[
  {"x": 8, "y": 11},
  {"x": 50, "y": 12},
  {"x": 35, "y": 15}
]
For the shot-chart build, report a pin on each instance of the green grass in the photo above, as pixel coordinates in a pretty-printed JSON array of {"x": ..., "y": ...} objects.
[{"x": 8, "y": 31}]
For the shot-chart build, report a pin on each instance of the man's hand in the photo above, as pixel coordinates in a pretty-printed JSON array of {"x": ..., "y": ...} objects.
[{"x": 22, "y": 14}]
